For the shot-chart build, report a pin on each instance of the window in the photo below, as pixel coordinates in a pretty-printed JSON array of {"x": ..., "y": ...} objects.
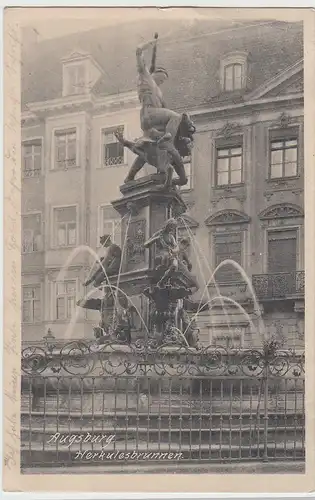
[
  {"x": 282, "y": 262},
  {"x": 228, "y": 246},
  {"x": 283, "y": 155},
  {"x": 188, "y": 171},
  {"x": 65, "y": 299},
  {"x": 282, "y": 251},
  {"x": 229, "y": 165},
  {"x": 110, "y": 223},
  {"x": 75, "y": 79},
  {"x": 65, "y": 226},
  {"x": 113, "y": 150},
  {"x": 234, "y": 68},
  {"x": 233, "y": 77},
  {"x": 32, "y": 158},
  {"x": 65, "y": 149},
  {"x": 31, "y": 233},
  {"x": 31, "y": 304},
  {"x": 228, "y": 339}
]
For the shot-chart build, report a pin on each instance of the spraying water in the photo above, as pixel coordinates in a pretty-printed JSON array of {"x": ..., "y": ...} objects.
[
  {"x": 250, "y": 286},
  {"x": 197, "y": 246}
]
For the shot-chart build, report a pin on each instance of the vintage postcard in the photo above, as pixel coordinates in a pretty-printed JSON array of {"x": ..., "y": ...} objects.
[{"x": 159, "y": 200}]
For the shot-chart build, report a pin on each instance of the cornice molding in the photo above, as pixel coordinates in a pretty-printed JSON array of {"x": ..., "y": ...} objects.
[
  {"x": 225, "y": 217},
  {"x": 71, "y": 103},
  {"x": 281, "y": 211}
]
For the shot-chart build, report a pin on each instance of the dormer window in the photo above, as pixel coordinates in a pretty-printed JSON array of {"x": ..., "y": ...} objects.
[
  {"x": 233, "y": 77},
  {"x": 75, "y": 79},
  {"x": 80, "y": 74},
  {"x": 233, "y": 72}
]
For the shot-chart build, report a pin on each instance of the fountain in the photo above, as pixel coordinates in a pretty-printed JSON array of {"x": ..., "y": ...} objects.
[
  {"x": 144, "y": 288},
  {"x": 147, "y": 366},
  {"x": 151, "y": 269}
]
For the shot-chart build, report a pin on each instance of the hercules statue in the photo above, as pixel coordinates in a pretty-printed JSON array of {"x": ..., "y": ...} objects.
[{"x": 164, "y": 130}]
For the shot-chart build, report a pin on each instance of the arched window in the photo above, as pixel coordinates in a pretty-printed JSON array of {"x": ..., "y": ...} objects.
[
  {"x": 233, "y": 71},
  {"x": 233, "y": 77}
]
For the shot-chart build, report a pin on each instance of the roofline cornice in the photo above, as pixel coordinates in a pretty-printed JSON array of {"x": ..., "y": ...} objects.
[
  {"x": 131, "y": 98},
  {"x": 64, "y": 103},
  {"x": 277, "y": 80},
  {"x": 246, "y": 105}
]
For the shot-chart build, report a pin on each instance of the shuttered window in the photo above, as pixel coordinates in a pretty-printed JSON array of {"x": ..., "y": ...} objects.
[
  {"x": 228, "y": 246},
  {"x": 282, "y": 251}
]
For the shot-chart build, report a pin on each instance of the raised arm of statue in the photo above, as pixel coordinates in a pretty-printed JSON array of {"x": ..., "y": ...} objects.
[{"x": 141, "y": 64}]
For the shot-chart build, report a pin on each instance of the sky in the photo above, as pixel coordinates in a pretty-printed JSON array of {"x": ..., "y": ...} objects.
[
  {"x": 52, "y": 22},
  {"x": 51, "y": 26}
]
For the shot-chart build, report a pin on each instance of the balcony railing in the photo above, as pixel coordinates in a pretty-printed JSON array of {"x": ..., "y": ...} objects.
[
  {"x": 34, "y": 172},
  {"x": 279, "y": 285}
]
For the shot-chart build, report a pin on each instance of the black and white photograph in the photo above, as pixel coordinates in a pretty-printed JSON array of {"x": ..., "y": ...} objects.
[{"x": 162, "y": 244}]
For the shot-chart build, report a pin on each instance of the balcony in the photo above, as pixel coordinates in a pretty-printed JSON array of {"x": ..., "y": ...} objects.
[
  {"x": 34, "y": 172},
  {"x": 279, "y": 285}
]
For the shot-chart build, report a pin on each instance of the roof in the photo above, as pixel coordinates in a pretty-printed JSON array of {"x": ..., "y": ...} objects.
[{"x": 191, "y": 53}]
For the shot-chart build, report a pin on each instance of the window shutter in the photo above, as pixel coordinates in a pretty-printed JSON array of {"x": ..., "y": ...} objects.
[
  {"x": 282, "y": 251},
  {"x": 228, "y": 246}
]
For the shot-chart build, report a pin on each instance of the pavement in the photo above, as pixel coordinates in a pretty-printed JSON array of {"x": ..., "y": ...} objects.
[{"x": 271, "y": 467}]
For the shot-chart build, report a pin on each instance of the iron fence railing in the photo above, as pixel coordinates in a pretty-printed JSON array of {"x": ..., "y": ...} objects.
[
  {"x": 118, "y": 404},
  {"x": 279, "y": 285}
]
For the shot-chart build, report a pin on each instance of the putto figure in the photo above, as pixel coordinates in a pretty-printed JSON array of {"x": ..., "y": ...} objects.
[
  {"x": 173, "y": 256},
  {"x": 109, "y": 264}
]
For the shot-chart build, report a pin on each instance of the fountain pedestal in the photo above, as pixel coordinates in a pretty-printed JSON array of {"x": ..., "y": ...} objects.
[{"x": 144, "y": 208}]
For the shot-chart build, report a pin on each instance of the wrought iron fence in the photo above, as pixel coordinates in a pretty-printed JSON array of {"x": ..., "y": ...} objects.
[
  {"x": 31, "y": 172},
  {"x": 116, "y": 404}
]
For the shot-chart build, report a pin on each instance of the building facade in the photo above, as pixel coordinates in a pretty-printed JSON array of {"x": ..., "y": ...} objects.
[{"x": 245, "y": 191}]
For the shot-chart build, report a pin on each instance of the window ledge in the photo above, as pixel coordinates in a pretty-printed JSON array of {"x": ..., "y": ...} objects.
[
  {"x": 62, "y": 322},
  {"x": 229, "y": 283},
  {"x": 282, "y": 180},
  {"x": 32, "y": 322},
  {"x": 65, "y": 169},
  {"x": 36, "y": 252},
  {"x": 65, "y": 247},
  {"x": 41, "y": 175},
  {"x": 105, "y": 167},
  {"x": 229, "y": 187}
]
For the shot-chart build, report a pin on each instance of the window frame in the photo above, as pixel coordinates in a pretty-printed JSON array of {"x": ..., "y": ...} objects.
[
  {"x": 190, "y": 184},
  {"x": 31, "y": 141},
  {"x": 229, "y": 145},
  {"x": 112, "y": 128},
  {"x": 278, "y": 228},
  {"x": 101, "y": 221},
  {"x": 59, "y": 131},
  {"x": 33, "y": 322},
  {"x": 64, "y": 295},
  {"x": 283, "y": 136},
  {"x": 67, "y": 79},
  {"x": 233, "y": 65},
  {"x": 34, "y": 214},
  {"x": 236, "y": 232},
  {"x": 226, "y": 334},
  {"x": 54, "y": 228},
  {"x": 232, "y": 59}
]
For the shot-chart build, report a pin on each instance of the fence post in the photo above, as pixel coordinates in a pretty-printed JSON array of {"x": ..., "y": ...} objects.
[{"x": 266, "y": 413}]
